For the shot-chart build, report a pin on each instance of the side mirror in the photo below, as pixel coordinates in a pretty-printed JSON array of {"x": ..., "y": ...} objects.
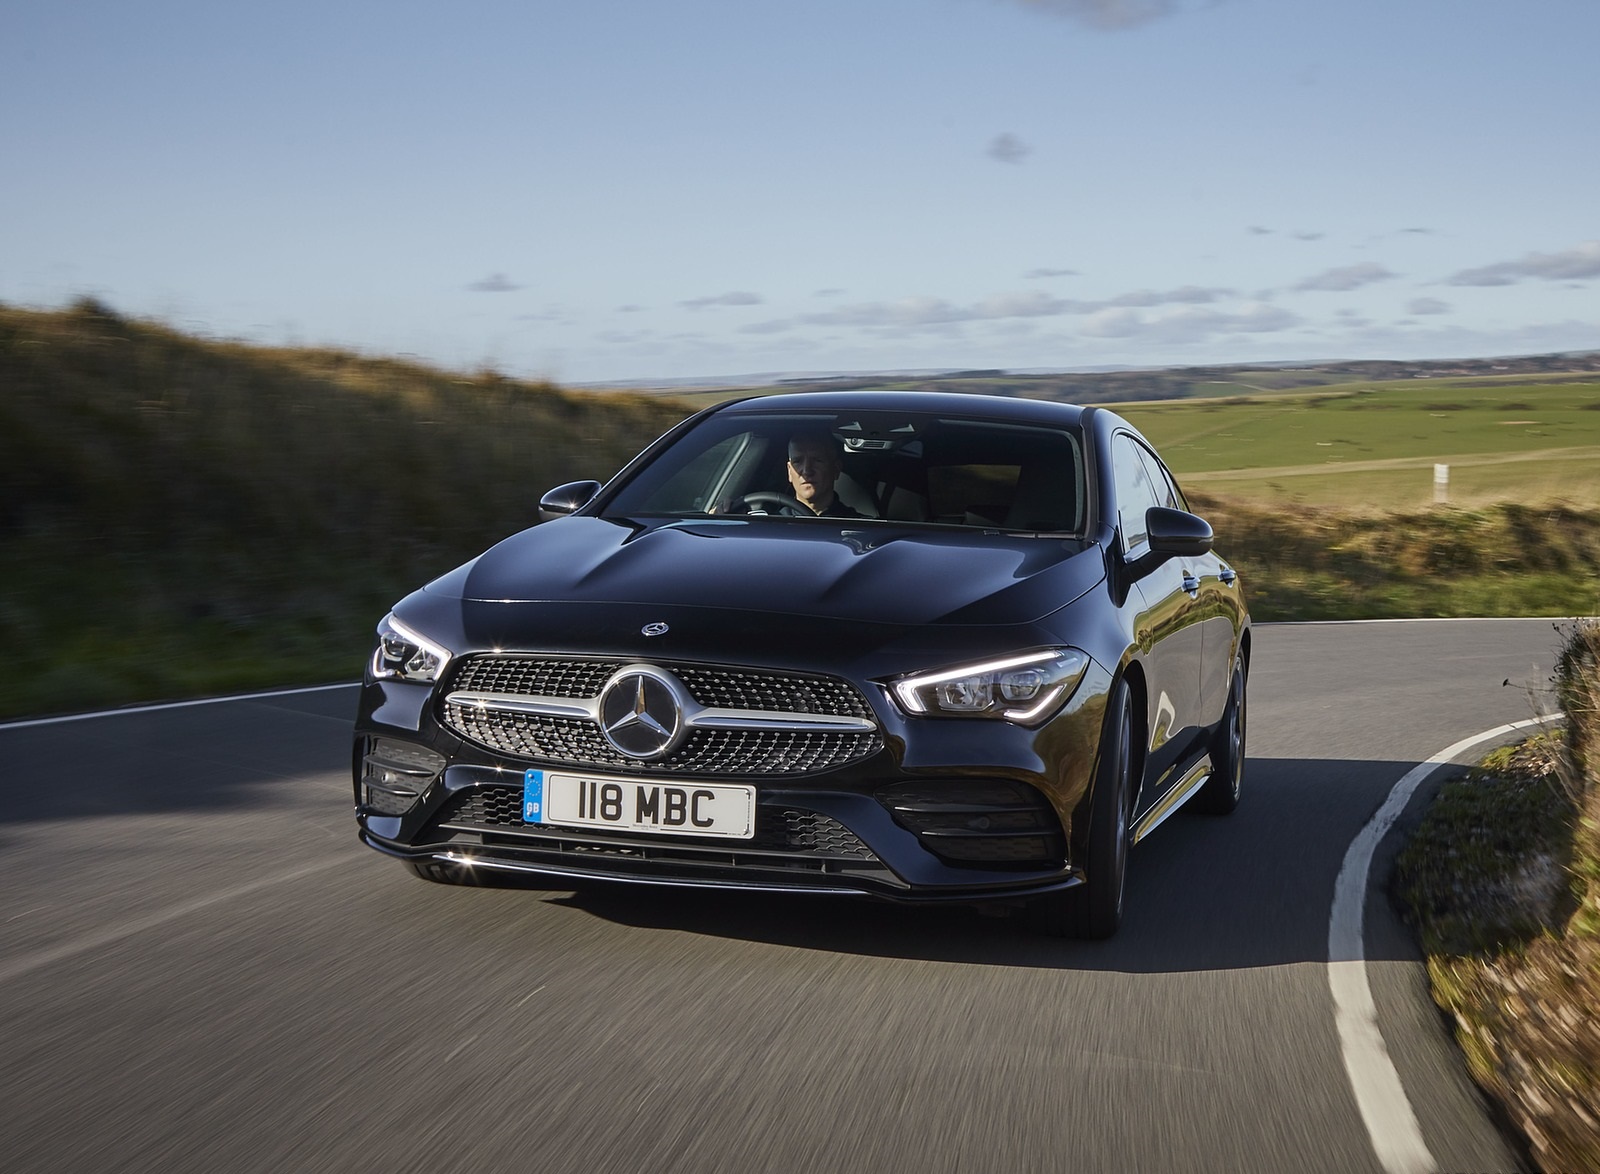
[
  {"x": 1174, "y": 532},
  {"x": 566, "y": 499}
]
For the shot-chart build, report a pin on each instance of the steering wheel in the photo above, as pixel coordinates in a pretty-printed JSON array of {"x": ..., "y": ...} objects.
[{"x": 771, "y": 500}]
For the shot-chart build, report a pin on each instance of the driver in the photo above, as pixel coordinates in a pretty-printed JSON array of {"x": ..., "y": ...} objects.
[{"x": 814, "y": 465}]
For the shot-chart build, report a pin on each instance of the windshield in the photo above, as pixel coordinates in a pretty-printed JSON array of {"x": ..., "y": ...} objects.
[{"x": 902, "y": 467}]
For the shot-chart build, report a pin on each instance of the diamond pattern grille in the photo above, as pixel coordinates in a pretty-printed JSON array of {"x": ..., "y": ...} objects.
[
  {"x": 579, "y": 742},
  {"x": 723, "y": 688},
  {"x": 531, "y": 676}
]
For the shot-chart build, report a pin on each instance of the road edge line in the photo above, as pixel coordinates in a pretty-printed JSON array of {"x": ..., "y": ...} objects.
[
  {"x": 83, "y": 717},
  {"x": 1385, "y": 1110}
]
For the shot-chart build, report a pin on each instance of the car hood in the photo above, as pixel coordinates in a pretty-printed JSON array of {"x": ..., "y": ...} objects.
[{"x": 872, "y": 573}]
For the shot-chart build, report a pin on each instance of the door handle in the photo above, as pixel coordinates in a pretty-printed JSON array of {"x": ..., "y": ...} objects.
[
  {"x": 1190, "y": 583},
  {"x": 1228, "y": 575}
]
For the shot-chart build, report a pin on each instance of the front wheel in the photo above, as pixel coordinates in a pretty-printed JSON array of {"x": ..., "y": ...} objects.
[
  {"x": 1220, "y": 794},
  {"x": 1093, "y": 910}
]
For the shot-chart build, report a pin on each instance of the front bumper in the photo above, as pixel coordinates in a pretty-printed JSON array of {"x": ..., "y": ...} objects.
[
  {"x": 806, "y": 841},
  {"x": 941, "y": 810}
]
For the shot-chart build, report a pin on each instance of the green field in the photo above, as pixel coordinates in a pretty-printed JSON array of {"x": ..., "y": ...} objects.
[{"x": 1374, "y": 446}]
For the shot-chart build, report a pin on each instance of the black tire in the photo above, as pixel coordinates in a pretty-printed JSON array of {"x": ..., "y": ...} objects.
[
  {"x": 1093, "y": 910},
  {"x": 1220, "y": 794}
]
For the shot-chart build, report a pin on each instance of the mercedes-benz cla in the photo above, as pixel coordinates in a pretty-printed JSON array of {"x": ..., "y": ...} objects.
[{"x": 921, "y": 647}]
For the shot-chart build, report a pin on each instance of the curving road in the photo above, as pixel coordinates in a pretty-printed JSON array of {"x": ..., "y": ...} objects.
[{"x": 201, "y": 970}]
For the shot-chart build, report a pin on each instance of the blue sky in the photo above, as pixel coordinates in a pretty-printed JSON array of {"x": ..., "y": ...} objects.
[{"x": 612, "y": 190}]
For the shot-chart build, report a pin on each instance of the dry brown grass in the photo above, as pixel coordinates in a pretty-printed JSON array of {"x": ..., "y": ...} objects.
[
  {"x": 1310, "y": 563},
  {"x": 1503, "y": 879}
]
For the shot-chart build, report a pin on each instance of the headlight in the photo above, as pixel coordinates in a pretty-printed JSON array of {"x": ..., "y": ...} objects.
[
  {"x": 406, "y": 655},
  {"x": 1025, "y": 688}
]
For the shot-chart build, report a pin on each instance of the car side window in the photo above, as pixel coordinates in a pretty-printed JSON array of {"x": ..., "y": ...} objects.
[
  {"x": 1166, "y": 489},
  {"x": 697, "y": 485},
  {"x": 1135, "y": 491}
]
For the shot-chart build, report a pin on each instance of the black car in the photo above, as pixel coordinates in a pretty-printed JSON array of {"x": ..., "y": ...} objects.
[{"x": 922, "y": 647}]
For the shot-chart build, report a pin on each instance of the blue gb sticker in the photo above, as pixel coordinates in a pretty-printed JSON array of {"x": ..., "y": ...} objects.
[{"x": 533, "y": 797}]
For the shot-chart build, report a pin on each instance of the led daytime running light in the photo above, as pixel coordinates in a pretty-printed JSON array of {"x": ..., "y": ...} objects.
[
  {"x": 405, "y": 654},
  {"x": 994, "y": 689}
]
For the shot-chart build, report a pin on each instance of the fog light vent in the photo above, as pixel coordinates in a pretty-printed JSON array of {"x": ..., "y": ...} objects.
[
  {"x": 395, "y": 774},
  {"x": 995, "y": 823}
]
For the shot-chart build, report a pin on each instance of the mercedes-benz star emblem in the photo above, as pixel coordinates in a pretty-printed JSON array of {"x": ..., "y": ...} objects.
[
  {"x": 656, "y": 629},
  {"x": 641, "y": 711}
]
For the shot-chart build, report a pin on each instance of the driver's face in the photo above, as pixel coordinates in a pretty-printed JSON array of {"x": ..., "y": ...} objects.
[{"x": 813, "y": 468}]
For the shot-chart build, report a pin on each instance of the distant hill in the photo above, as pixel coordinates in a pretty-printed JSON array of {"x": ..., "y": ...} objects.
[{"x": 1162, "y": 383}]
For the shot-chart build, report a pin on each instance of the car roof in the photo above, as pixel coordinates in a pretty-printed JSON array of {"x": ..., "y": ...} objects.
[{"x": 994, "y": 407}]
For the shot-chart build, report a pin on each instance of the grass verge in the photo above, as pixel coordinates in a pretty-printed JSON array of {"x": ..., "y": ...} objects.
[
  {"x": 1502, "y": 881},
  {"x": 1507, "y": 559}
]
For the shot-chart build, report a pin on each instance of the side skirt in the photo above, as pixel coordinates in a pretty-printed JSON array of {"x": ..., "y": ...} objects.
[{"x": 1175, "y": 798}]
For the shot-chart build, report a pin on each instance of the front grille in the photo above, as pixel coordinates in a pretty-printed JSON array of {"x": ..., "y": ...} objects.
[
  {"x": 532, "y": 676},
  {"x": 778, "y": 692},
  {"x": 578, "y": 740},
  {"x": 787, "y": 830},
  {"x": 731, "y": 688},
  {"x": 560, "y": 739}
]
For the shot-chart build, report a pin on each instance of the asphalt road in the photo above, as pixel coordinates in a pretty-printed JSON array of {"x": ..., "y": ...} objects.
[{"x": 200, "y": 969}]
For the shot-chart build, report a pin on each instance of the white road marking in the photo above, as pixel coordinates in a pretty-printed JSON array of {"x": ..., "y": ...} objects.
[
  {"x": 1391, "y": 1124},
  {"x": 72, "y": 947},
  {"x": 80, "y": 717}
]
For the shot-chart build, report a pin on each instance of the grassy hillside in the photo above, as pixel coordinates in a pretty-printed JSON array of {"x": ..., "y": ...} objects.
[{"x": 181, "y": 517}]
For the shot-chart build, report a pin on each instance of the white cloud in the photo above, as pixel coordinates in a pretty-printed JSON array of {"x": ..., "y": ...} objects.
[
  {"x": 736, "y": 298},
  {"x": 939, "y": 315},
  {"x": 1035, "y": 274},
  {"x": 1422, "y": 306},
  {"x": 1575, "y": 264},
  {"x": 1184, "y": 295},
  {"x": 1188, "y": 324},
  {"x": 1021, "y": 305},
  {"x": 494, "y": 283},
  {"x": 906, "y": 312},
  {"x": 625, "y": 337},
  {"x": 1115, "y": 324},
  {"x": 554, "y": 314},
  {"x": 1346, "y": 278},
  {"x": 1105, "y": 14},
  {"x": 1008, "y": 148},
  {"x": 1436, "y": 339}
]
